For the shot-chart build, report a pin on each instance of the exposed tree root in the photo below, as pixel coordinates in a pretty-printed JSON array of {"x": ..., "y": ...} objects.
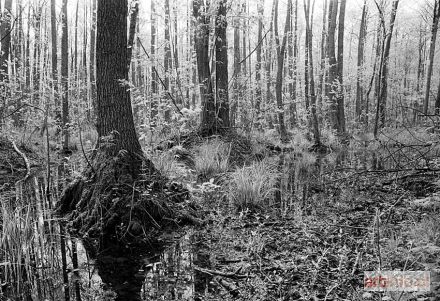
[{"x": 112, "y": 208}]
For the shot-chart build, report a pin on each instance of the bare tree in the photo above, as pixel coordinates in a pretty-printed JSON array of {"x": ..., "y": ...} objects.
[
  {"x": 309, "y": 19},
  {"x": 360, "y": 105},
  {"x": 430, "y": 62},
  {"x": 340, "y": 68},
  {"x": 383, "y": 67},
  {"x": 281, "y": 49},
  {"x": 65, "y": 76}
]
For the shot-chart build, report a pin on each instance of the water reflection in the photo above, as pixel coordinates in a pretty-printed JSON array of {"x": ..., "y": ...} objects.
[{"x": 31, "y": 245}]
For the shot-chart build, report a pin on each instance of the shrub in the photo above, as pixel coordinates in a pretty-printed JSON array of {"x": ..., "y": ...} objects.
[{"x": 252, "y": 186}]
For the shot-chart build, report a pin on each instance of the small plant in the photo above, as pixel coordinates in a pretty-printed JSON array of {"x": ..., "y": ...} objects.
[
  {"x": 168, "y": 165},
  {"x": 253, "y": 186},
  {"x": 212, "y": 158}
]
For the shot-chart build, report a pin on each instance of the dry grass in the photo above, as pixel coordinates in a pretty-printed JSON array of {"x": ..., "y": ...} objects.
[
  {"x": 253, "y": 186},
  {"x": 212, "y": 158}
]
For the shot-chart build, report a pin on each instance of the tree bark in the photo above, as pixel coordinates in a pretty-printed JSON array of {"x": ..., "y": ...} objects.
[
  {"x": 154, "y": 85},
  {"x": 360, "y": 105},
  {"x": 311, "y": 89},
  {"x": 168, "y": 63},
  {"x": 237, "y": 71},
  {"x": 114, "y": 106},
  {"x": 281, "y": 49},
  {"x": 93, "y": 60},
  {"x": 430, "y": 63},
  {"x": 132, "y": 33},
  {"x": 65, "y": 77},
  {"x": 221, "y": 69},
  {"x": 340, "y": 68},
  {"x": 293, "y": 53},
  {"x": 383, "y": 72},
  {"x": 201, "y": 42},
  {"x": 5, "y": 31},
  {"x": 330, "y": 52},
  {"x": 258, "y": 92}
]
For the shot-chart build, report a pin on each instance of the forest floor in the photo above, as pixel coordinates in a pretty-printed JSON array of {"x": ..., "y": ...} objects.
[
  {"x": 281, "y": 223},
  {"x": 327, "y": 230}
]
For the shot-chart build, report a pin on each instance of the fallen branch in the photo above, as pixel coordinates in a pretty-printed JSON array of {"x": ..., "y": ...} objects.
[
  {"x": 220, "y": 273},
  {"x": 26, "y": 161}
]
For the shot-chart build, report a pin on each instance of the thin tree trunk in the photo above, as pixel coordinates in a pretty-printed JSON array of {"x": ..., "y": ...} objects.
[
  {"x": 154, "y": 86},
  {"x": 360, "y": 105},
  {"x": 383, "y": 73},
  {"x": 221, "y": 69},
  {"x": 281, "y": 49},
  {"x": 132, "y": 32},
  {"x": 93, "y": 59},
  {"x": 64, "y": 77},
  {"x": 314, "y": 116},
  {"x": 5, "y": 31},
  {"x": 168, "y": 63},
  {"x": 340, "y": 68},
  {"x": 420, "y": 58},
  {"x": 292, "y": 66},
  {"x": 268, "y": 68},
  {"x": 237, "y": 71},
  {"x": 66, "y": 287},
  {"x": 430, "y": 63},
  {"x": 258, "y": 92},
  {"x": 201, "y": 42},
  {"x": 330, "y": 85},
  {"x": 322, "y": 68}
]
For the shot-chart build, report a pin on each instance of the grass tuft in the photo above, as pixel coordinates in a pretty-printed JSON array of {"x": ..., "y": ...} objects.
[
  {"x": 253, "y": 186},
  {"x": 212, "y": 158}
]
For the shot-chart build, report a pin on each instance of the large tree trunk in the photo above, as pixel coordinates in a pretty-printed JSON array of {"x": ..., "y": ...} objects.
[
  {"x": 430, "y": 63},
  {"x": 114, "y": 105},
  {"x": 221, "y": 69},
  {"x": 281, "y": 49},
  {"x": 201, "y": 41}
]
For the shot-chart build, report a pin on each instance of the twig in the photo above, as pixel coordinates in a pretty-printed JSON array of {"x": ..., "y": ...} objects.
[
  {"x": 223, "y": 274},
  {"x": 160, "y": 79},
  {"x": 82, "y": 149}
]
